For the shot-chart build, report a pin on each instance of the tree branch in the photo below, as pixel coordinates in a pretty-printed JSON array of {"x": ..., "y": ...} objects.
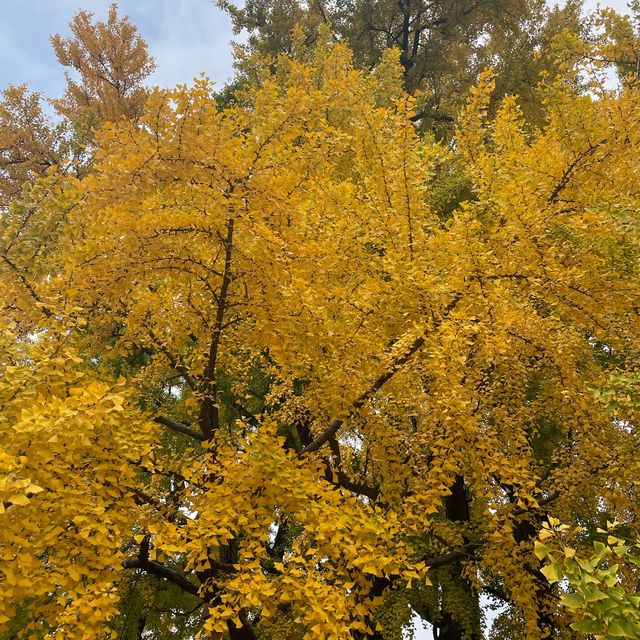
[
  {"x": 564, "y": 179},
  {"x": 463, "y": 553},
  {"x": 28, "y": 286},
  {"x": 173, "y": 360},
  {"x": 162, "y": 571},
  {"x": 360, "y": 401},
  {"x": 179, "y": 427},
  {"x": 209, "y": 418},
  {"x": 337, "y": 476},
  {"x": 158, "y": 569}
]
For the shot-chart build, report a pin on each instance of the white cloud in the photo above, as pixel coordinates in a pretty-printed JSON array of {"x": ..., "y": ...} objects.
[
  {"x": 619, "y": 5},
  {"x": 185, "y": 36}
]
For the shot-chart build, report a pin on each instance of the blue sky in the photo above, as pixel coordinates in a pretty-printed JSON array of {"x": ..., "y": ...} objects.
[{"x": 185, "y": 36}]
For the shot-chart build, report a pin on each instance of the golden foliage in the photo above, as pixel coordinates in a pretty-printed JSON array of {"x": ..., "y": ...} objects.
[
  {"x": 112, "y": 61},
  {"x": 28, "y": 141},
  {"x": 410, "y": 358}
]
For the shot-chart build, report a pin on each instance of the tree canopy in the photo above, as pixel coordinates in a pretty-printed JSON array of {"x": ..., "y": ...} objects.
[
  {"x": 443, "y": 46},
  {"x": 266, "y": 373}
]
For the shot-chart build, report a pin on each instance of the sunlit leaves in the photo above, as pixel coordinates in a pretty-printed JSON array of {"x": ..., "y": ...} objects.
[{"x": 333, "y": 361}]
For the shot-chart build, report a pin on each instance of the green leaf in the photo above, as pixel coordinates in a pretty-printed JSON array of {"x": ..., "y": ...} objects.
[
  {"x": 588, "y": 625},
  {"x": 617, "y": 630},
  {"x": 593, "y": 595},
  {"x": 572, "y": 600}
]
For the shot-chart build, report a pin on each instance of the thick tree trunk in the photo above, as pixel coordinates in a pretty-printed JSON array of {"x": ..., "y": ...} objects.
[{"x": 447, "y": 628}]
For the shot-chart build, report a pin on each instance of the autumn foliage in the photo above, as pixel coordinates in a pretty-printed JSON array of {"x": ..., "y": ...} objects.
[
  {"x": 112, "y": 61},
  {"x": 273, "y": 355}
]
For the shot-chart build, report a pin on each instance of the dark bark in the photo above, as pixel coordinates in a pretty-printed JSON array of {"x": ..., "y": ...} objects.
[
  {"x": 525, "y": 531},
  {"x": 447, "y": 628},
  {"x": 209, "y": 420},
  {"x": 456, "y": 506}
]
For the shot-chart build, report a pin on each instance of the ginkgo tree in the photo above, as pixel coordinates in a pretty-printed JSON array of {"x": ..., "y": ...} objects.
[
  {"x": 112, "y": 62},
  {"x": 249, "y": 355}
]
